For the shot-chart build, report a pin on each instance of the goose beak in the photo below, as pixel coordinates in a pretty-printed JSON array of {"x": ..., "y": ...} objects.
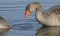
[{"x": 26, "y": 13}]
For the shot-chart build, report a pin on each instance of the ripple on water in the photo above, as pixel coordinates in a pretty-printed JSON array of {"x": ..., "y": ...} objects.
[{"x": 25, "y": 26}]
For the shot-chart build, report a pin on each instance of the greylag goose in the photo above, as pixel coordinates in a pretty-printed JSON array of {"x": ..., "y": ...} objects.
[
  {"x": 50, "y": 17},
  {"x": 3, "y": 23}
]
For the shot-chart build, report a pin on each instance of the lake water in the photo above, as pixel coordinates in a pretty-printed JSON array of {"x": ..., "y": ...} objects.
[{"x": 13, "y": 10}]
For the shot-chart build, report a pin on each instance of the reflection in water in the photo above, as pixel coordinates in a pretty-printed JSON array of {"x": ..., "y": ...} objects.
[
  {"x": 48, "y": 31},
  {"x": 3, "y": 31}
]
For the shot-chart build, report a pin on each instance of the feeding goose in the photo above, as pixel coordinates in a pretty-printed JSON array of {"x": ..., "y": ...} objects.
[{"x": 50, "y": 17}]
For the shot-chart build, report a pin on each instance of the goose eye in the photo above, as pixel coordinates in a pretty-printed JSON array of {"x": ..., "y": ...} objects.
[{"x": 28, "y": 7}]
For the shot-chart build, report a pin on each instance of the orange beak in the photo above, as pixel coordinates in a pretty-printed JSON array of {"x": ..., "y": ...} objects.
[{"x": 26, "y": 13}]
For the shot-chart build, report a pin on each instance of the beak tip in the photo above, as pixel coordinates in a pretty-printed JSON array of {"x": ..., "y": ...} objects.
[
  {"x": 25, "y": 16},
  {"x": 26, "y": 13}
]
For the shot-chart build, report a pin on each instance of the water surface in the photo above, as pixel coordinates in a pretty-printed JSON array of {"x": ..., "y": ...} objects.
[{"x": 13, "y": 10}]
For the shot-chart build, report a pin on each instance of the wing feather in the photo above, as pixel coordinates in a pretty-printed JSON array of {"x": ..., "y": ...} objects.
[{"x": 53, "y": 10}]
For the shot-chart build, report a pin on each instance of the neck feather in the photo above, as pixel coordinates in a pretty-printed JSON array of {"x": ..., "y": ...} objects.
[{"x": 39, "y": 15}]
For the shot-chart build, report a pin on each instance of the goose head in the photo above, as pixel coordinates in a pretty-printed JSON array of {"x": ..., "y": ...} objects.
[{"x": 30, "y": 7}]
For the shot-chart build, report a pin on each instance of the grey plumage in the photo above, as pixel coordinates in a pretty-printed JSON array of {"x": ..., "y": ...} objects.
[{"x": 50, "y": 17}]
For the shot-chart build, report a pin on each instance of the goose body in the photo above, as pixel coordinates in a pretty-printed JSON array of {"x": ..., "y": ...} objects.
[
  {"x": 50, "y": 17},
  {"x": 3, "y": 23}
]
